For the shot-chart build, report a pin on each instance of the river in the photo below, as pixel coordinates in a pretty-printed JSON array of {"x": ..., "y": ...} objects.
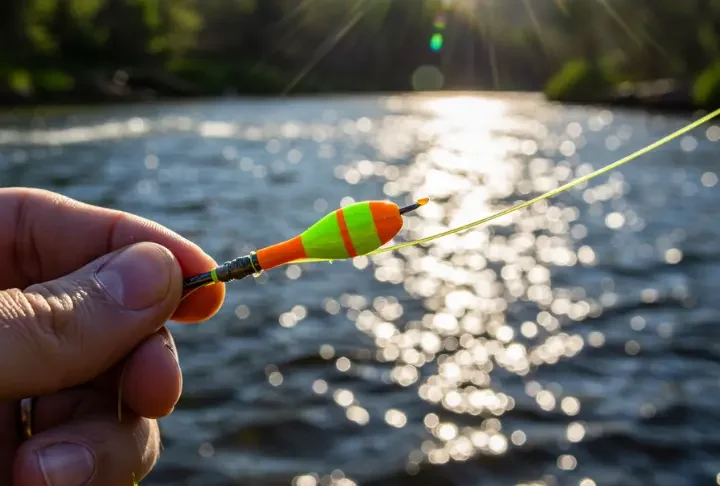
[{"x": 572, "y": 343}]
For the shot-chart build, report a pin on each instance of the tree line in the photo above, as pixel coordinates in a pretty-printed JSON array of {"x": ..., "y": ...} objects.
[{"x": 569, "y": 48}]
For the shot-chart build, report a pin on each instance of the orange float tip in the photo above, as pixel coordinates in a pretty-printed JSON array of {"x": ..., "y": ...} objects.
[{"x": 413, "y": 207}]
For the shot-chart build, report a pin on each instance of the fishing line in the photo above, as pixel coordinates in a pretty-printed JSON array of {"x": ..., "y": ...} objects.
[{"x": 560, "y": 189}]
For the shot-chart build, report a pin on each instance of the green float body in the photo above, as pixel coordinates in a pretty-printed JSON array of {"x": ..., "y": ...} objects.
[{"x": 356, "y": 229}]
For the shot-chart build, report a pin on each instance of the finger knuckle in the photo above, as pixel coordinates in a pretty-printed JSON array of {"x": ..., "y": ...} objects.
[
  {"x": 60, "y": 308},
  {"x": 45, "y": 319},
  {"x": 22, "y": 313}
]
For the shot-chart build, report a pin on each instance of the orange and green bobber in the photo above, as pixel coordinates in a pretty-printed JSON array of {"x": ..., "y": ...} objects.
[{"x": 354, "y": 230}]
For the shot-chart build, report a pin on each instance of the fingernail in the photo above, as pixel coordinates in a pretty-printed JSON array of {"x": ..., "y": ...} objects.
[
  {"x": 138, "y": 277},
  {"x": 66, "y": 464}
]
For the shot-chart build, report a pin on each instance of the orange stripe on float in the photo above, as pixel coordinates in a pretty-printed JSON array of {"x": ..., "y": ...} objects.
[
  {"x": 281, "y": 253},
  {"x": 388, "y": 220},
  {"x": 345, "y": 233}
]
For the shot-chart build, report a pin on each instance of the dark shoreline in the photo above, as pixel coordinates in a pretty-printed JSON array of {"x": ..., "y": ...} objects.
[{"x": 70, "y": 102}]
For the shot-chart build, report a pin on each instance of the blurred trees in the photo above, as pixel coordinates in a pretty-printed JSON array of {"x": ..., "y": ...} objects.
[{"x": 574, "y": 48}]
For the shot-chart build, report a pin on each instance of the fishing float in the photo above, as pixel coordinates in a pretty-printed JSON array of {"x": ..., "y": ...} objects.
[{"x": 354, "y": 230}]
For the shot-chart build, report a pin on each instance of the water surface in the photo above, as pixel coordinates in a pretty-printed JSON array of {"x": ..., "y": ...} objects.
[{"x": 572, "y": 343}]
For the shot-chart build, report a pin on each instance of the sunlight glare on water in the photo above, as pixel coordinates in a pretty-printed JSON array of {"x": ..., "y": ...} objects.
[{"x": 476, "y": 157}]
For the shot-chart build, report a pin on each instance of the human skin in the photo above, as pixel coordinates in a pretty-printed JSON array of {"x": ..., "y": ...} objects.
[{"x": 85, "y": 293}]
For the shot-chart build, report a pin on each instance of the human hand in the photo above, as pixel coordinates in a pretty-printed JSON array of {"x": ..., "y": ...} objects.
[{"x": 83, "y": 317}]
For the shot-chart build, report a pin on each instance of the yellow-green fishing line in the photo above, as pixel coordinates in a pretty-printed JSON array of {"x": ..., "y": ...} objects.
[{"x": 557, "y": 191}]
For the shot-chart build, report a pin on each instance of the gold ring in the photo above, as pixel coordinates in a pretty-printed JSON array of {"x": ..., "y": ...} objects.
[{"x": 26, "y": 405}]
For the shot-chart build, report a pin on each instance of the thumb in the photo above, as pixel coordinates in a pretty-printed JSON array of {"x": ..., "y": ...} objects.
[{"x": 67, "y": 331}]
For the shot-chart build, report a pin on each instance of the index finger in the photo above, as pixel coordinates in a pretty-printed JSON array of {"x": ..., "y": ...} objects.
[{"x": 45, "y": 236}]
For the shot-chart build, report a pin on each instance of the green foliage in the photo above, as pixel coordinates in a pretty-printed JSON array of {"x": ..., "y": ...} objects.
[
  {"x": 183, "y": 25},
  {"x": 25, "y": 81},
  {"x": 706, "y": 89},
  {"x": 53, "y": 80},
  {"x": 253, "y": 78},
  {"x": 41, "y": 39},
  {"x": 150, "y": 12},
  {"x": 213, "y": 76},
  {"x": 612, "y": 66},
  {"x": 38, "y": 15},
  {"x": 20, "y": 80},
  {"x": 708, "y": 38},
  {"x": 578, "y": 79},
  {"x": 85, "y": 11},
  {"x": 572, "y": 48}
]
